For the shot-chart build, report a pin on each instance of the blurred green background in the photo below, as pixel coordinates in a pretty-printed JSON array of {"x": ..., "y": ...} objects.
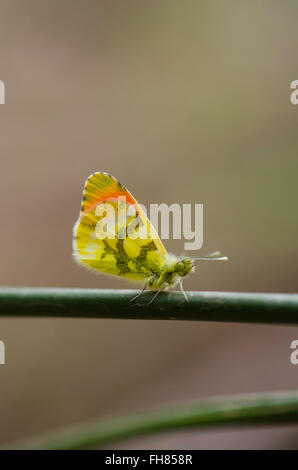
[{"x": 183, "y": 102}]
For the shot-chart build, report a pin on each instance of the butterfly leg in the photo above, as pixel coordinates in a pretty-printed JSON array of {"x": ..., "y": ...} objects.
[
  {"x": 140, "y": 293},
  {"x": 154, "y": 297},
  {"x": 182, "y": 290}
]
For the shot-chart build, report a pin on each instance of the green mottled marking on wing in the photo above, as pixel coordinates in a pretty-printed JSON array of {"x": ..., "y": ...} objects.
[
  {"x": 119, "y": 254},
  {"x": 141, "y": 260},
  {"x": 122, "y": 259},
  {"x": 108, "y": 250}
]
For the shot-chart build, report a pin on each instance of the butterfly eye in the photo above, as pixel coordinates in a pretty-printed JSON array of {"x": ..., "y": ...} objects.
[{"x": 180, "y": 266}]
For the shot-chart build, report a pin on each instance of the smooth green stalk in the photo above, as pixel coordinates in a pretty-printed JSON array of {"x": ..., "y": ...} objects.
[
  {"x": 201, "y": 306},
  {"x": 254, "y": 409}
]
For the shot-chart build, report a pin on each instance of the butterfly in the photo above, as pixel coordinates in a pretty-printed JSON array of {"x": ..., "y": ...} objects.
[{"x": 114, "y": 236}]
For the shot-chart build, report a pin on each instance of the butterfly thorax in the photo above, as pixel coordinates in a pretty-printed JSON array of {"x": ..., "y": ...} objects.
[{"x": 169, "y": 274}]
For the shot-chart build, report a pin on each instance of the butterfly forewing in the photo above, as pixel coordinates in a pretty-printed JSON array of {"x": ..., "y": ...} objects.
[{"x": 110, "y": 248}]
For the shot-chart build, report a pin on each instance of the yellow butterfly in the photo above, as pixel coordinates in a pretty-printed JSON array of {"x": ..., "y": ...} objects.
[{"x": 114, "y": 236}]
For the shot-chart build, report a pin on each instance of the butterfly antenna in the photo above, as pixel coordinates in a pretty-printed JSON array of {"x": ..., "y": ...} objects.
[{"x": 215, "y": 256}]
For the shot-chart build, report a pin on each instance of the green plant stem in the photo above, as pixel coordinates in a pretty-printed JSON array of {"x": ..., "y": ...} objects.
[
  {"x": 254, "y": 409},
  {"x": 201, "y": 306}
]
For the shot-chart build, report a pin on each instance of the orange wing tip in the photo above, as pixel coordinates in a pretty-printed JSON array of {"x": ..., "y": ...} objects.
[{"x": 101, "y": 187}]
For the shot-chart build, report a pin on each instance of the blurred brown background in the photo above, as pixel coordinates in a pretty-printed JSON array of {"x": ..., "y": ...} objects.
[{"x": 183, "y": 102}]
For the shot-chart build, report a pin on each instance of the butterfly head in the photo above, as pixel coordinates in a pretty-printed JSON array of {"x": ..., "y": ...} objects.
[
  {"x": 178, "y": 268},
  {"x": 184, "y": 266}
]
